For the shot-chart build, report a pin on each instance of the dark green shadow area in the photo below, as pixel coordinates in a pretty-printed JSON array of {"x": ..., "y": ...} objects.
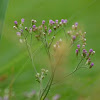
[{"x": 3, "y": 7}]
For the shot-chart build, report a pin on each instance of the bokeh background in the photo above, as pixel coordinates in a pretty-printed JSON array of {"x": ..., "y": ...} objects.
[{"x": 14, "y": 63}]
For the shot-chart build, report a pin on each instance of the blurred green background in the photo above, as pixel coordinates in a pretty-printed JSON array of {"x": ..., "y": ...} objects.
[{"x": 84, "y": 84}]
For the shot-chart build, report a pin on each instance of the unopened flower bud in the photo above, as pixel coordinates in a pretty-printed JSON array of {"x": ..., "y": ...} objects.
[
  {"x": 26, "y": 28},
  {"x": 14, "y": 27},
  {"x": 89, "y": 61},
  {"x": 84, "y": 52},
  {"x": 33, "y": 21},
  {"x": 60, "y": 23},
  {"x": 45, "y": 28},
  {"x": 84, "y": 40},
  {"x": 83, "y": 46},
  {"x": 93, "y": 52},
  {"x": 84, "y": 32},
  {"x": 43, "y": 33},
  {"x": 77, "y": 34},
  {"x": 57, "y": 26},
  {"x": 76, "y": 52},
  {"x": 73, "y": 26},
  {"x": 54, "y": 27},
  {"x": 69, "y": 33}
]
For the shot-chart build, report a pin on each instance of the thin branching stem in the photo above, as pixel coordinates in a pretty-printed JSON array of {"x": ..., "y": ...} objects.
[{"x": 77, "y": 67}]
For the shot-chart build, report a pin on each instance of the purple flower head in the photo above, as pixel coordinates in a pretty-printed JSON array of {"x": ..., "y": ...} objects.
[
  {"x": 50, "y": 31},
  {"x": 92, "y": 64},
  {"x": 15, "y": 22},
  {"x": 18, "y": 33},
  {"x": 62, "y": 20},
  {"x": 76, "y": 24},
  {"x": 51, "y": 22},
  {"x": 76, "y": 50},
  {"x": 22, "y": 20},
  {"x": 84, "y": 51},
  {"x": 91, "y": 50},
  {"x": 21, "y": 30},
  {"x": 56, "y": 21},
  {"x": 34, "y": 26},
  {"x": 74, "y": 37},
  {"x": 43, "y": 22},
  {"x": 56, "y": 97},
  {"x": 78, "y": 46},
  {"x": 65, "y": 21}
]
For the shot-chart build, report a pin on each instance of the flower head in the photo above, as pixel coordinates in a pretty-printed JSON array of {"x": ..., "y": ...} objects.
[
  {"x": 65, "y": 21},
  {"x": 18, "y": 33},
  {"x": 16, "y": 23},
  {"x": 34, "y": 26},
  {"x": 92, "y": 64},
  {"x": 62, "y": 20},
  {"x": 22, "y": 20},
  {"x": 51, "y": 22},
  {"x": 84, "y": 52},
  {"x": 74, "y": 37},
  {"x": 50, "y": 31},
  {"x": 91, "y": 50},
  {"x": 43, "y": 22},
  {"x": 76, "y": 51},
  {"x": 56, "y": 21},
  {"x": 76, "y": 24},
  {"x": 78, "y": 46}
]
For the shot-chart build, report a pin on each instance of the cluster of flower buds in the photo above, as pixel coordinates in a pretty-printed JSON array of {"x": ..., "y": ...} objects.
[
  {"x": 41, "y": 30},
  {"x": 57, "y": 45},
  {"x": 86, "y": 55},
  {"x": 74, "y": 33},
  {"x": 41, "y": 76}
]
